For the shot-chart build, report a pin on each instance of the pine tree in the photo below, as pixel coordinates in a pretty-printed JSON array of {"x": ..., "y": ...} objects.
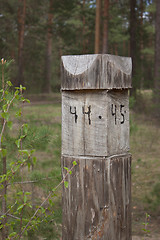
[
  {"x": 97, "y": 26},
  {"x": 105, "y": 26},
  {"x": 21, "y": 29},
  {"x": 133, "y": 42},
  {"x": 157, "y": 59},
  {"x": 48, "y": 61}
]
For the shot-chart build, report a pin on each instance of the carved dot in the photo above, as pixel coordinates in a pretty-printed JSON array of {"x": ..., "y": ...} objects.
[{"x": 100, "y": 117}]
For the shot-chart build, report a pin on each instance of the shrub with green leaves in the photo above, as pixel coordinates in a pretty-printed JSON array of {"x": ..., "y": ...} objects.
[
  {"x": 21, "y": 214},
  {"x": 15, "y": 201}
]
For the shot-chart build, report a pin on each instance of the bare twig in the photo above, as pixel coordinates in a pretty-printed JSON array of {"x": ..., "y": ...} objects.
[
  {"x": 5, "y": 121},
  {"x": 3, "y": 62},
  {"x": 4, "y": 201},
  {"x": 12, "y": 216},
  {"x": 30, "y": 182}
]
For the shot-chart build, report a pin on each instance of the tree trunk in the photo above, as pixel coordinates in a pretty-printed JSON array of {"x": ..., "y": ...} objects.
[
  {"x": 115, "y": 49},
  {"x": 84, "y": 22},
  {"x": 141, "y": 46},
  {"x": 105, "y": 26},
  {"x": 157, "y": 60},
  {"x": 48, "y": 62},
  {"x": 125, "y": 50},
  {"x": 97, "y": 26},
  {"x": 21, "y": 28},
  {"x": 133, "y": 46}
]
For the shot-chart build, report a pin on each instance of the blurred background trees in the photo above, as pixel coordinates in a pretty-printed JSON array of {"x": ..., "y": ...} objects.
[{"x": 36, "y": 33}]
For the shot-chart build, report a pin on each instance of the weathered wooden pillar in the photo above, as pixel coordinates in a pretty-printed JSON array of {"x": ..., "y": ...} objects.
[{"x": 95, "y": 134}]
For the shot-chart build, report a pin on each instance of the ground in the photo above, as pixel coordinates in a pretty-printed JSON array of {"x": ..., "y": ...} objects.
[
  {"x": 145, "y": 142},
  {"x": 146, "y": 238}
]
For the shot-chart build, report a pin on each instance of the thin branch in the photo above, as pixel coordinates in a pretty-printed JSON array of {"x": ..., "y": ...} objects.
[
  {"x": 9, "y": 209},
  {"x": 5, "y": 121},
  {"x": 21, "y": 221},
  {"x": 24, "y": 229},
  {"x": 2, "y": 95},
  {"x": 13, "y": 172},
  {"x": 12, "y": 216},
  {"x": 29, "y": 182},
  {"x": 3, "y": 62}
]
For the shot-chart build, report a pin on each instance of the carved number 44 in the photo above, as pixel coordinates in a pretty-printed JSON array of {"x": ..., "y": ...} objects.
[{"x": 114, "y": 110}]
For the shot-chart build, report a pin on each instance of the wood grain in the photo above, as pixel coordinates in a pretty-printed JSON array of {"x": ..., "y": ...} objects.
[
  {"x": 97, "y": 71},
  {"x": 95, "y": 134},
  {"x": 103, "y": 132},
  {"x": 97, "y": 204}
]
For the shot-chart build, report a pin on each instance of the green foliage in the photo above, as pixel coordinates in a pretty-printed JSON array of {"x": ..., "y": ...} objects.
[
  {"x": 133, "y": 126},
  {"x": 118, "y": 24},
  {"x": 37, "y": 137},
  {"x": 66, "y": 184},
  {"x": 22, "y": 159},
  {"x": 148, "y": 51},
  {"x": 156, "y": 192},
  {"x": 146, "y": 224},
  {"x": 132, "y": 102},
  {"x": 24, "y": 214},
  {"x": 153, "y": 198},
  {"x": 73, "y": 27},
  {"x": 151, "y": 8}
]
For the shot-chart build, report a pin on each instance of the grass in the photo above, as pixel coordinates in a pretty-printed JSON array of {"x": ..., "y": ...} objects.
[
  {"x": 43, "y": 114},
  {"x": 145, "y": 142},
  {"x": 45, "y": 122}
]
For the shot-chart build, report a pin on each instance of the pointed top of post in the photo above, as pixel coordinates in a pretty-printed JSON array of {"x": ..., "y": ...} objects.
[{"x": 96, "y": 71}]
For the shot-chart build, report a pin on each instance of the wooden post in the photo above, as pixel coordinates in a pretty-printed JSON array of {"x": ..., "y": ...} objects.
[{"x": 95, "y": 134}]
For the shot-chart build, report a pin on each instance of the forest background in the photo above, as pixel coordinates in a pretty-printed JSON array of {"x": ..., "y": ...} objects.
[{"x": 35, "y": 34}]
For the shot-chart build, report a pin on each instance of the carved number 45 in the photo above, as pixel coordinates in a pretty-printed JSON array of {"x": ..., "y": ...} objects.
[{"x": 114, "y": 110}]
